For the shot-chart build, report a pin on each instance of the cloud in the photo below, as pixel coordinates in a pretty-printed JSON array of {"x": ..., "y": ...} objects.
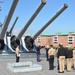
[{"x": 16, "y": 31}]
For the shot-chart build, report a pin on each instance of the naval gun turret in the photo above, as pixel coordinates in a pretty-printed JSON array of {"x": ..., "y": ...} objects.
[
  {"x": 6, "y": 23},
  {"x": 29, "y": 40},
  {"x": 16, "y": 39},
  {"x": 9, "y": 34}
]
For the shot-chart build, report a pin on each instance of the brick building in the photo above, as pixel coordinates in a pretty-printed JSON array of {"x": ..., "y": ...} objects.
[{"x": 66, "y": 38}]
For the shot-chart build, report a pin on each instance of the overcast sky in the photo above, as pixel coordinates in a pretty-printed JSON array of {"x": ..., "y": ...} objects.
[{"x": 65, "y": 22}]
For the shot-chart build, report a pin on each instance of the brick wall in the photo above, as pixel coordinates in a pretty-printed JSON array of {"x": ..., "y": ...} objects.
[{"x": 48, "y": 40}]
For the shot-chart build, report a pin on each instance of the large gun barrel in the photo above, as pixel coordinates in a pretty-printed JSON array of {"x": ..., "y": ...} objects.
[
  {"x": 13, "y": 25},
  {"x": 6, "y": 23},
  {"x": 8, "y": 18},
  {"x": 50, "y": 21},
  {"x": 18, "y": 37},
  {"x": 31, "y": 19},
  {"x": 30, "y": 40},
  {"x": 8, "y": 33}
]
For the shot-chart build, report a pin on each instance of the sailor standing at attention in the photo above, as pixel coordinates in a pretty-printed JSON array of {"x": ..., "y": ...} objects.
[
  {"x": 61, "y": 55},
  {"x": 51, "y": 55},
  {"x": 69, "y": 56}
]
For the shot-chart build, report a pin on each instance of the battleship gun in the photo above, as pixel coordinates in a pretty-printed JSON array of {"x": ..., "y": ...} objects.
[
  {"x": 29, "y": 40},
  {"x": 16, "y": 39},
  {"x": 6, "y": 23}
]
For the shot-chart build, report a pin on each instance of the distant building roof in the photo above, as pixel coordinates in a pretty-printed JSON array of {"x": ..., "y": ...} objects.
[
  {"x": 63, "y": 33},
  {"x": 46, "y": 34},
  {"x": 74, "y": 33},
  {"x": 66, "y": 33},
  {"x": 59, "y": 33}
]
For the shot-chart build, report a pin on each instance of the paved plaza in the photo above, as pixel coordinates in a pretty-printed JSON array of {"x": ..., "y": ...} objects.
[{"x": 45, "y": 65}]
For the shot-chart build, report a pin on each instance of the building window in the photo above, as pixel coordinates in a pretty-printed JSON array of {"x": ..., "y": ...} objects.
[
  {"x": 70, "y": 39},
  {"x": 39, "y": 39},
  {"x": 55, "y": 39}
]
